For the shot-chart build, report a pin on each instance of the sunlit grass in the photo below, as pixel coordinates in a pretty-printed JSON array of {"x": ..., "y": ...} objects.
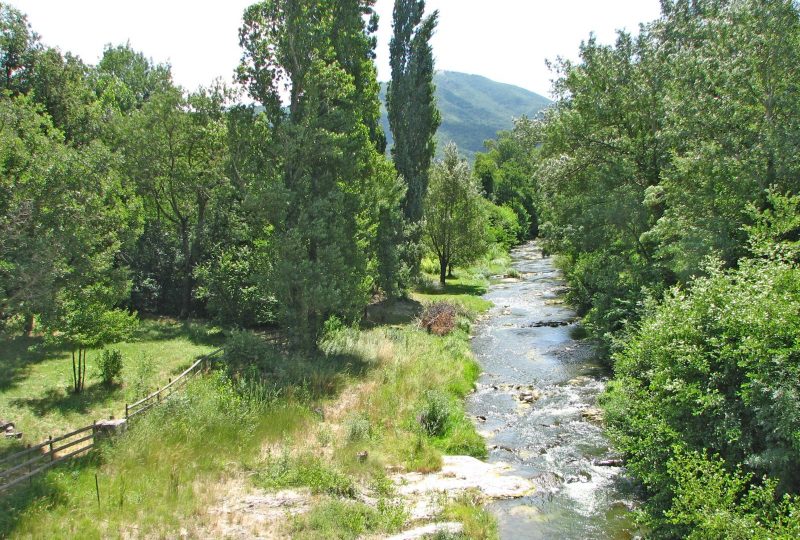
[
  {"x": 334, "y": 423},
  {"x": 35, "y": 383}
]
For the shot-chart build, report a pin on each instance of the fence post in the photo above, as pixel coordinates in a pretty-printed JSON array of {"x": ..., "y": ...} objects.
[
  {"x": 50, "y": 443},
  {"x": 126, "y": 411}
]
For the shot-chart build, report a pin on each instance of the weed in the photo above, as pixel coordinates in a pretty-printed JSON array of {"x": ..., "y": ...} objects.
[{"x": 110, "y": 366}]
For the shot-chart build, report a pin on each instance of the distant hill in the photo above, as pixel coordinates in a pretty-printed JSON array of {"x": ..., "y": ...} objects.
[{"x": 474, "y": 109}]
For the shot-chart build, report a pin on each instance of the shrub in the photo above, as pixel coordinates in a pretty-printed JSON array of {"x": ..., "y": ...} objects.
[
  {"x": 358, "y": 428},
  {"x": 503, "y": 225},
  {"x": 439, "y": 318},
  {"x": 142, "y": 378},
  {"x": 110, "y": 366},
  {"x": 434, "y": 413},
  {"x": 246, "y": 352}
]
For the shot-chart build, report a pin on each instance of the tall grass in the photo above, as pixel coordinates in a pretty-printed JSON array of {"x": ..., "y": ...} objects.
[{"x": 150, "y": 478}]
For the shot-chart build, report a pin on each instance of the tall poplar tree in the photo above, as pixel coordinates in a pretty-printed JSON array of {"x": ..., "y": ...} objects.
[
  {"x": 328, "y": 182},
  {"x": 411, "y": 105}
]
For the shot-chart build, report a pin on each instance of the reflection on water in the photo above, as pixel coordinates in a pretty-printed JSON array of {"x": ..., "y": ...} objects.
[{"x": 537, "y": 394}]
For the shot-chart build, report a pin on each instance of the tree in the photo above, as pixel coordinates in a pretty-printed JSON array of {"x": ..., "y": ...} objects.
[
  {"x": 85, "y": 319},
  {"x": 64, "y": 213},
  {"x": 328, "y": 182},
  {"x": 18, "y": 45},
  {"x": 455, "y": 221},
  {"x": 411, "y": 107},
  {"x": 176, "y": 150}
]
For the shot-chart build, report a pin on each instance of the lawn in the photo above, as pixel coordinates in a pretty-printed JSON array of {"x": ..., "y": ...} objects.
[
  {"x": 35, "y": 382},
  {"x": 468, "y": 284}
]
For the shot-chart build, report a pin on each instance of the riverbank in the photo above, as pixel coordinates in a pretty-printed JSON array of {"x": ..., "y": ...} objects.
[
  {"x": 310, "y": 451},
  {"x": 537, "y": 401}
]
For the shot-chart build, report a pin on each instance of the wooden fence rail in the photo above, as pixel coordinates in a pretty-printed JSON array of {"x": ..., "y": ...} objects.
[{"x": 25, "y": 464}]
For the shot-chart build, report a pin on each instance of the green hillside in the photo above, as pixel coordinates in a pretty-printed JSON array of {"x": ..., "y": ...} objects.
[{"x": 475, "y": 108}]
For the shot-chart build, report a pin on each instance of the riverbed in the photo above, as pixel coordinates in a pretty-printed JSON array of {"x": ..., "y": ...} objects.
[{"x": 536, "y": 405}]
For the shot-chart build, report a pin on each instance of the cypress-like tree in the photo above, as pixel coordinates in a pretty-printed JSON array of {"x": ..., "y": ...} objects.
[
  {"x": 413, "y": 116},
  {"x": 328, "y": 182}
]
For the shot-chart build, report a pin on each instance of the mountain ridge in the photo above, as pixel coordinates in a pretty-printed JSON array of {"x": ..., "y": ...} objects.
[{"x": 474, "y": 108}]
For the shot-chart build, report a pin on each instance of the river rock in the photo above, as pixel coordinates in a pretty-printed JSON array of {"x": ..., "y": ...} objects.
[
  {"x": 529, "y": 396},
  {"x": 592, "y": 414},
  {"x": 429, "y": 530},
  {"x": 461, "y": 473}
]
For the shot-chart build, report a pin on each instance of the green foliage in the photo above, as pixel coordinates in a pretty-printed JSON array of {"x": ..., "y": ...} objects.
[
  {"x": 232, "y": 290},
  {"x": 434, "y": 413},
  {"x": 713, "y": 368},
  {"x": 713, "y": 503},
  {"x": 504, "y": 226},
  {"x": 247, "y": 353},
  {"x": 455, "y": 229},
  {"x": 506, "y": 173},
  {"x": 110, "y": 366},
  {"x": 412, "y": 113},
  {"x": 330, "y": 181}
]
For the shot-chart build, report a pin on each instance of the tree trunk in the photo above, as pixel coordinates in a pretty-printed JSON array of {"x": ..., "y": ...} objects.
[
  {"x": 450, "y": 270},
  {"x": 30, "y": 324},
  {"x": 186, "y": 299},
  {"x": 443, "y": 264},
  {"x": 74, "y": 374}
]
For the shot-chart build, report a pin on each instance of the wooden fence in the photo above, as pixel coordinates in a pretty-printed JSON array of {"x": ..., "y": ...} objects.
[{"x": 24, "y": 465}]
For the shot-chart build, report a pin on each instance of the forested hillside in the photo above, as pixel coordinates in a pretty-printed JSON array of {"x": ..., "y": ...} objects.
[{"x": 475, "y": 108}]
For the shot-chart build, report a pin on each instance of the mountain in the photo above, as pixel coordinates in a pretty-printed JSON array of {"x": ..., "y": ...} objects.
[{"x": 474, "y": 109}]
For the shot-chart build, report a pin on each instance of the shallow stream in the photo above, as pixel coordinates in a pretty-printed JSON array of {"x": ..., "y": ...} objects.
[{"x": 535, "y": 403}]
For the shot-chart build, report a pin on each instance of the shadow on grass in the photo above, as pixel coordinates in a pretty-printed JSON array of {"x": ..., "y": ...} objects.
[
  {"x": 391, "y": 312},
  {"x": 66, "y": 401},
  {"x": 452, "y": 289},
  {"x": 43, "y": 490},
  {"x": 164, "y": 329},
  {"x": 18, "y": 354}
]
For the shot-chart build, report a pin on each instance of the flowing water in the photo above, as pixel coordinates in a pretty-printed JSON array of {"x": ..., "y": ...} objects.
[{"x": 528, "y": 350}]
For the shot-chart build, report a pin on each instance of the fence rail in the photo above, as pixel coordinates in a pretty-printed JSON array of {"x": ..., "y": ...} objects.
[{"x": 33, "y": 460}]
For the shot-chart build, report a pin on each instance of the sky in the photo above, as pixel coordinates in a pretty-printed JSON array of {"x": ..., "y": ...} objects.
[{"x": 504, "y": 40}]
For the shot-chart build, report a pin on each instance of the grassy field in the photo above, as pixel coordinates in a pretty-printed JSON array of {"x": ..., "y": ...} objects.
[
  {"x": 288, "y": 421},
  {"x": 35, "y": 382}
]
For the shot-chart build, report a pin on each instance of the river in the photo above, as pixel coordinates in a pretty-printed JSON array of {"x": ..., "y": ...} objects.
[{"x": 535, "y": 403}]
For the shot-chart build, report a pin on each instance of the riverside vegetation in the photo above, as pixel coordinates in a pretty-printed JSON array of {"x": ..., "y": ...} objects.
[
  {"x": 664, "y": 177},
  {"x": 666, "y": 182},
  {"x": 280, "y": 421}
]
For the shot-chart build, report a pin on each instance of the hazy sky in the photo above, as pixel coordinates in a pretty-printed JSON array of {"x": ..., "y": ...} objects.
[{"x": 505, "y": 40}]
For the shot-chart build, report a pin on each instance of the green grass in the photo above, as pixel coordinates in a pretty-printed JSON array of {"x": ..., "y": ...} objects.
[
  {"x": 468, "y": 285},
  {"x": 35, "y": 382},
  {"x": 293, "y": 421},
  {"x": 151, "y": 480},
  {"x": 348, "y": 520}
]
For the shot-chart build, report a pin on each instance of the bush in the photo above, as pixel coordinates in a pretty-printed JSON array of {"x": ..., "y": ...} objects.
[
  {"x": 110, "y": 366},
  {"x": 503, "y": 224},
  {"x": 439, "y": 318},
  {"x": 230, "y": 285},
  {"x": 434, "y": 413},
  {"x": 358, "y": 428},
  {"x": 141, "y": 380},
  {"x": 715, "y": 367},
  {"x": 246, "y": 353}
]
